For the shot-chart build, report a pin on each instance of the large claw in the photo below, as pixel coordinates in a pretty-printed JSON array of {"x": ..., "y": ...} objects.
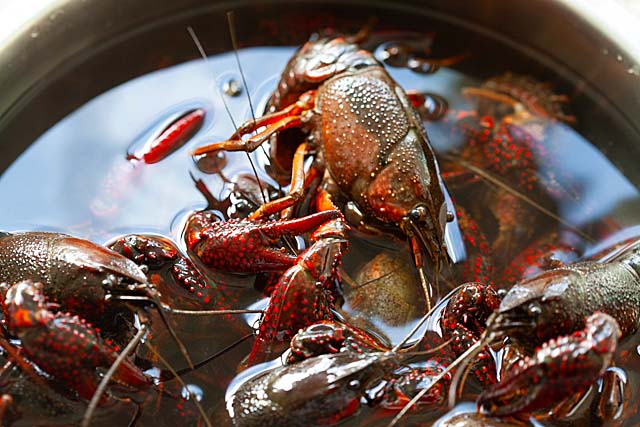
[
  {"x": 303, "y": 294},
  {"x": 248, "y": 245},
  {"x": 64, "y": 346},
  {"x": 560, "y": 368}
]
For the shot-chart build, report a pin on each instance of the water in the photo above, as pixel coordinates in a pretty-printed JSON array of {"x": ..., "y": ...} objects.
[{"x": 75, "y": 178}]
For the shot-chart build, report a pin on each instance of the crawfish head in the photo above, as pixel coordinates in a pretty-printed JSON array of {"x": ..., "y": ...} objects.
[
  {"x": 541, "y": 308},
  {"x": 561, "y": 367},
  {"x": 318, "y": 60}
]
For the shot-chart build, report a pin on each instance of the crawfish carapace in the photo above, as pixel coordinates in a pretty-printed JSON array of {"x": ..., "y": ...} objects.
[{"x": 369, "y": 144}]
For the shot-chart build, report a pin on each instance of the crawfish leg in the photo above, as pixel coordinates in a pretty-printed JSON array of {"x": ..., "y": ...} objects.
[
  {"x": 299, "y": 183},
  {"x": 287, "y": 118}
]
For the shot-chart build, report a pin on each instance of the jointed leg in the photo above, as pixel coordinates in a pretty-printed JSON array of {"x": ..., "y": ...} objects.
[{"x": 289, "y": 117}]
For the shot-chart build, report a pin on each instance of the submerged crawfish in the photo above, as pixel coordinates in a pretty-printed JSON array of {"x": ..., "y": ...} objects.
[
  {"x": 86, "y": 279},
  {"x": 368, "y": 143},
  {"x": 568, "y": 321}
]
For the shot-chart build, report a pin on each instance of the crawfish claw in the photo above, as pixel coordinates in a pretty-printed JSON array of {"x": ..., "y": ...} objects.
[
  {"x": 63, "y": 346},
  {"x": 564, "y": 366},
  {"x": 247, "y": 246}
]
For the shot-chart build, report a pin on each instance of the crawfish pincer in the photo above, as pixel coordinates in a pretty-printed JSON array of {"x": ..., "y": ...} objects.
[{"x": 62, "y": 345}]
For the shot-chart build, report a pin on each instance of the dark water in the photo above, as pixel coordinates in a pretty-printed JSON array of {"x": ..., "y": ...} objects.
[{"x": 75, "y": 178}]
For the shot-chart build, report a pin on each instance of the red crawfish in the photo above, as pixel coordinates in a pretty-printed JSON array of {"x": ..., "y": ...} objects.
[
  {"x": 73, "y": 356},
  {"x": 569, "y": 320},
  {"x": 506, "y": 144},
  {"x": 367, "y": 142},
  {"x": 62, "y": 345}
]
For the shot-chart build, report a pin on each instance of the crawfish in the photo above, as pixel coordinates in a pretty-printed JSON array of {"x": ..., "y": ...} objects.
[
  {"x": 569, "y": 320},
  {"x": 506, "y": 144},
  {"x": 82, "y": 277},
  {"x": 50, "y": 339},
  {"x": 332, "y": 368},
  {"x": 368, "y": 143}
]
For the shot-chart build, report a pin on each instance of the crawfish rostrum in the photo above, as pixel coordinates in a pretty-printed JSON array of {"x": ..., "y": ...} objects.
[{"x": 343, "y": 230}]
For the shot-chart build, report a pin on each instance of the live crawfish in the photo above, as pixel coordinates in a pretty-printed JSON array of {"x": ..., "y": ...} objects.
[
  {"x": 96, "y": 284},
  {"x": 330, "y": 369},
  {"x": 505, "y": 145},
  {"x": 345, "y": 102},
  {"x": 81, "y": 276},
  {"x": 59, "y": 357},
  {"x": 346, "y": 365},
  {"x": 567, "y": 321}
]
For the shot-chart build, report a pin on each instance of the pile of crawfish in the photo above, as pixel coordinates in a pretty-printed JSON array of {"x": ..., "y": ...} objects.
[{"x": 525, "y": 329}]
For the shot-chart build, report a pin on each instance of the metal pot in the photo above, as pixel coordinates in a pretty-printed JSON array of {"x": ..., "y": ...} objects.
[{"x": 73, "y": 50}]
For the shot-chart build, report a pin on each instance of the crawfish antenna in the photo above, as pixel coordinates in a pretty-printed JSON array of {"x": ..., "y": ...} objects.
[
  {"x": 172, "y": 332},
  {"x": 164, "y": 376},
  {"x": 501, "y": 185},
  {"x": 93, "y": 404},
  {"x": 182, "y": 383},
  {"x": 422, "y": 321},
  {"x": 196, "y": 41},
  {"x": 231, "y": 22},
  {"x": 464, "y": 358}
]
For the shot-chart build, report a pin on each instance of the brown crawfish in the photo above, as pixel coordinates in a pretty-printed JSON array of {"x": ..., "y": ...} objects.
[
  {"x": 82, "y": 277},
  {"x": 367, "y": 140}
]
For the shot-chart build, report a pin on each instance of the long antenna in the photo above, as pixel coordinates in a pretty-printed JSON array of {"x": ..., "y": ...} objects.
[
  {"x": 496, "y": 182},
  {"x": 196, "y": 402},
  {"x": 434, "y": 381},
  {"x": 196, "y": 41},
  {"x": 234, "y": 43}
]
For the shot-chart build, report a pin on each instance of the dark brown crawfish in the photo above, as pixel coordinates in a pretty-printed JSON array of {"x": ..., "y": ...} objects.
[
  {"x": 368, "y": 143},
  {"x": 82, "y": 277},
  {"x": 332, "y": 368}
]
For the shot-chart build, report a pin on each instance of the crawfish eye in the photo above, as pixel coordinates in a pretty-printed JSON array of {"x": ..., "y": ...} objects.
[
  {"x": 360, "y": 65},
  {"x": 419, "y": 213}
]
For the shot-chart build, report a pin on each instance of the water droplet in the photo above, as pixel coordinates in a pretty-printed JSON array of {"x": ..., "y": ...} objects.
[
  {"x": 394, "y": 54},
  {"x": 232, "y": 88},
  {"x": 211, "y": 163},
  {"x": 635, "y": 70},
  {"x": 192, "y": 390}
]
